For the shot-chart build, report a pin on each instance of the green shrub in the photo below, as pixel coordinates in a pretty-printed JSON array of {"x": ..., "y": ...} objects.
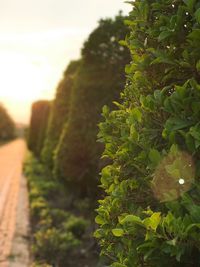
[
  {"x": 59, "y": 113},
  {"x": 150, "y": 214},
  {"x": 38, "y": 125},
  {"x": 99, "y": 80},
  {"x": 76, "y": 225},
  {"x": 54, "y": 245},
  {"x": 58, "y": 235}
]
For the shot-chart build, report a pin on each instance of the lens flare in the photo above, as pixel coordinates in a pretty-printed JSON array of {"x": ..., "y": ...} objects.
[
  {"x": 181, "y": 181},
  {"x": 173, "y": 176}
]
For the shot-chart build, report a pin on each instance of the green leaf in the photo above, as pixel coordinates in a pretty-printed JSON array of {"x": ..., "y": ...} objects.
[
  {"x": 118, "y": 232},
  {"x": 195, "y": 35},
  {"x": 117, "y": 264},
  {"x": 174, "y": 124},
  {"x": 172, "y": 242},
  {"x": 197, "y": 15},
  {"x": 175, "y": 173},
  {"x": 105, "y": 110},
  {"x": 174, "y": 149},
  {"x": 195, "y": 132},
  {"x": 123, "y": 42},
  {"x": 190, "y": 4},
  {"x": 190, "y": 142},
  {"x": 198, "y": 65},
  {"x": 133, "y": 133},
  {"x": 164, "y": 35},
  {"x": 136, "y": 115},
  {"x": 191, "y": 226},
  {"x": 153, "y": 221},
  {"x": 98, "y": 233},
  {"x": 99, "y": 220},
  {"x": 154, "y": 157},
  {"x": 196, "y": 107},
  {"x": 130, "y": 218}
]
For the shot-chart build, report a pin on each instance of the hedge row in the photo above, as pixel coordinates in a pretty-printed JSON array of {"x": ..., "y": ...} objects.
[
  {"x": 59, "y": 113},
  {"x": 58, "y": 236},
  {"x": 7, "y": 125},
  {"x": 99, "y": 80},
  {"x": 38, "y": 125},
  {"x": 69, "y": 156},
  {"x": 150, "y": 215}
]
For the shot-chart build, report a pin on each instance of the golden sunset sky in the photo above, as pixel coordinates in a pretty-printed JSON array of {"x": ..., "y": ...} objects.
[{"x": 38, "y": 38}]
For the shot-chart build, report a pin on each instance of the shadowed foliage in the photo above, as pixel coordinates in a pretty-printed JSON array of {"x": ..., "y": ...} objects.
[
  {"x": 7, "y": 126},
  {"x": 38, "y": 126},
  {"x": 59, "y": 113},
  {"x": 99, "y": 80}
]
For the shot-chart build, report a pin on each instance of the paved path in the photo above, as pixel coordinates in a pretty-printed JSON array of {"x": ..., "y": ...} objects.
[{"x": 11, "y": 162}]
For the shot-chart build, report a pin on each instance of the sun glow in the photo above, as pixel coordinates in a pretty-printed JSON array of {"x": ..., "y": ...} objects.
[
  {"x": 31, "y": 65},
  {"x": 36, "y": 45},
  {"x": 23, "y": 80}
]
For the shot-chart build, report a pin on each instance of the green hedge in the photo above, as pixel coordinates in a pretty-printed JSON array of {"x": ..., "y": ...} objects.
[
  {"x": 150, "y": 215},
  {"x": 99, "y": 80},
  {"x": 7, "y": 126},
  {"x": 59, "y": 237},
  {"x": 59, "y": 113},
  {"x": 38, "y": 126}
]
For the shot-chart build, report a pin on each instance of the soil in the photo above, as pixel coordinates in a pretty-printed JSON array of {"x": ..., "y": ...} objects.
[{"x": 14, "y": 214}]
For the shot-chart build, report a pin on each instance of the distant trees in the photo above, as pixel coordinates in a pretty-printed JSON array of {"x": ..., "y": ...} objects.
[
  {"x": 38, "y": 126},
  {"x": 7, "y": 125}
]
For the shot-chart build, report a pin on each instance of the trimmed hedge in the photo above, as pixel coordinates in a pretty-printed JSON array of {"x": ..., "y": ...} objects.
[
  {"x": 7, "y": 125},
  {"x": 150, "y": 215},
  {"x": 38, "y": 126},
  {"x": 99, "y": 80},
  {"x": 59, "y": 113}
]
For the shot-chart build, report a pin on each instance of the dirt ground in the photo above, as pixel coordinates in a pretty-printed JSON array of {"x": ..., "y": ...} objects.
[{"x": 14, "y": 213}]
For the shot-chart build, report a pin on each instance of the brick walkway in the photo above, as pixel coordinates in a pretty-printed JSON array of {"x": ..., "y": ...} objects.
[{"x": 11, "y": 161}]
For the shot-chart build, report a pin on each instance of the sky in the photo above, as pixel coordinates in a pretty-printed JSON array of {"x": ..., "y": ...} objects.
[{"x": 38, "y": 38}]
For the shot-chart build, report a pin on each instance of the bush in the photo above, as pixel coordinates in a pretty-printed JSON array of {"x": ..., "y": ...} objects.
[
  {"x": 76, "y": 225},
  {"x": 99, "y": 80},
  {"x": 150, "y": 214},
  {"x": 59, "y": 113},
  {"x": 38, "y": 125},
  {"x": 54, "y": 245},
  {"x": 58, "y": 235}
]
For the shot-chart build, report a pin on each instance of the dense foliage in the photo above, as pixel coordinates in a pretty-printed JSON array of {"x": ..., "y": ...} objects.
[
  {"x": 150, "y": 215},
  {"x": 38, "y": 126},
  {"x": 58, "y": 236},
  {"x": 99, "y": 80},
  {"x": 59, "y": 113},
  {"x": 7, "y": 126}
]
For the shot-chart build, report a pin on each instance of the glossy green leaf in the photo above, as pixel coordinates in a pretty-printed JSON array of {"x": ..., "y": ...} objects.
[
  {"x": 99, "y": 220},
  {"x": 118, "y": 232},
  {"x": 153, "y": 221},
  {"x": 130, "y": 219}
]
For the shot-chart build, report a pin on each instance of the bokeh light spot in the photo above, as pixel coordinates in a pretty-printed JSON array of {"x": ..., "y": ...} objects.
[
  {"x": 181, "y": 181},
  {"x": 173, "y": 176}
]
